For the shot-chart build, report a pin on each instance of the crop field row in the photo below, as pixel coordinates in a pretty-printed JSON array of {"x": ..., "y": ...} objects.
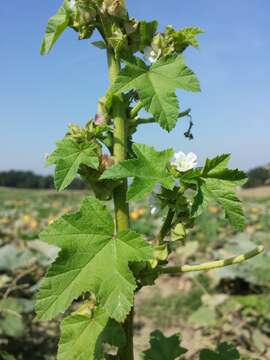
[{"x": 196, "y": 305}]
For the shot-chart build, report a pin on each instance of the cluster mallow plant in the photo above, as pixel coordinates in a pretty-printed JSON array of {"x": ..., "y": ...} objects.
[{"x": 102, "y": 264}]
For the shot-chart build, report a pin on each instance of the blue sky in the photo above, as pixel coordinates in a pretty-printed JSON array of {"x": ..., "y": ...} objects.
[{"x": 39, "y": 96}]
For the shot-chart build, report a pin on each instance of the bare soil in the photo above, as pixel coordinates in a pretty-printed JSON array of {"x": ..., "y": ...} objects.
[{"x": 259, "y": 192}]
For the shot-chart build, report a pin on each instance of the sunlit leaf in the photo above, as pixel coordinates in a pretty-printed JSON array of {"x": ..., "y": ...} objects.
[
  {"x": 149, "y": 169},
  {"x": 91, "y": 259},
  {"x": 55, "y": 27},
  {"x": 68, "y": 156},
  {"x": 217, "y": 184},
  {"x": 156, "y": 86}
]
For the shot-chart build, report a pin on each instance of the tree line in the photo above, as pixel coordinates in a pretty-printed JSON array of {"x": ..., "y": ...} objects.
[
  {"x": 259, "y": 176},
  {"x": 30, "y": 180}
]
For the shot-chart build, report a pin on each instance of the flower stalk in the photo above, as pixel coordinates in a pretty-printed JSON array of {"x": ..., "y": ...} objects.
[
  {"x": 134, "y": 112},
  {"x": 213, "y": 264}
]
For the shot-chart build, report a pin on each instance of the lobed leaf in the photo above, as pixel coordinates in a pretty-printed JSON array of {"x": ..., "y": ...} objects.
[
  {"x": 80, "y": 334},
  {"x": 68, "y": 157},
  {"x": 147, "y": 31},
  {"x": 217, "y": 183},
  {"x": 57, "y": 24},
  {"x": 225, "y": 351},
  {"x": 157, "y": 85},
  {"x": 149, "y": 169},
  {"x": 91, "y": 259},
  {"x": 163, "y": 348}
]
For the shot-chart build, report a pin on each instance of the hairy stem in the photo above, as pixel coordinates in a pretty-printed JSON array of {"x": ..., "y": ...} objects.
[
  {"x": 213, "y": 264},
  {"x": 120, "y": 193},
  {"x": 119, "y": 148}
]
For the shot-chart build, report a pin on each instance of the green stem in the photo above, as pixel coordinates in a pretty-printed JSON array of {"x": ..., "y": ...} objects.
[
  {"x": 165, "y": 227},
  {"x": 120, "y": 193},
  {"x": 134, "y": 112},
  {"x": 119, "y": 147},
  {"x": 127, "y": 353},
  {"x": 213, "y": 264},
  {"x": 140, "y": 121}
]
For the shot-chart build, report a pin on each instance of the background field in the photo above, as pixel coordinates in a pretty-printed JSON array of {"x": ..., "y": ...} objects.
[{"x": 197, "y": 305}]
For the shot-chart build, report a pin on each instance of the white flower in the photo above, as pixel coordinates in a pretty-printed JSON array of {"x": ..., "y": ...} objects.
[
  {"x": 152, "y": 53},
  {"x": 154, "y": 211},
  {"x": 184, "y": 162},
  {"x": 46, "y": 156},
  {"x": 72, "y": 4}
]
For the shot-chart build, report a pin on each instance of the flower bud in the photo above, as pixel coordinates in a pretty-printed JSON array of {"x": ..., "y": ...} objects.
[
  {"x": 87, "y": 15},
  {"x": 158, "y": 41},
  {"x": 46, "y": 156},
  {"x": 102, "y": 115},
  {"x": 115, "y": 7},
  {"x": 100, "y": 120},
  {"x": 131, "y": 26},
  {"x": 83, "y": 14},
  {"x": 73, "y": 129},
  {"x": 102, "y": 105},
  {"x": 106, "y": 161}
]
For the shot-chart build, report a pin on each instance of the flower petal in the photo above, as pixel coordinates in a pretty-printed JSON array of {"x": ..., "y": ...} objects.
[{"x": 192, "y": 157}]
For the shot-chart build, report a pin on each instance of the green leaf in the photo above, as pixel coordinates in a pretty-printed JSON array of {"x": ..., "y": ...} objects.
[
  {"x": 118, "y": 41},
  {"x": 217, "y": 184},
  {"x": 147, "y": 170},
  {"x": 178, "y": 233},
  {"x": 204, "y": 316},
  {"x": 157, "y": 85},
  {"x": 11, "y": 322},
  {"x": 91, "y": 259},
  {"x": 80, "y": 334},
  {"x": 113, "y": 334},
  {"x": 99, "y": 44},
  {"x": 163, "y": 348},
  {"x": 83, "y": 334},
  {"x": 140, "y": 34},
  {"x": 55, "y": 27},
  {"x": 183, "y": 38},
  {"x": 225, "y": 351},
  {"x": 5, "y": 356},
  {"x": 147, "y": 31},
  {"x": 68, "y": 157},
  {"x": 220, "y": 162}
]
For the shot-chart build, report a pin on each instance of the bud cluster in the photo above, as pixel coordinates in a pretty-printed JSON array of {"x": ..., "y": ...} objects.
[
  {"x": 90, "y": 132},
  {"x": 84, "y": 15},
  {"x": 115, "y": 8},
  {"x": 171, "y": 42}
]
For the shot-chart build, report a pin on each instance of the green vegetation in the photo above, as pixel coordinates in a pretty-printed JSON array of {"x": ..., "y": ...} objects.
[{"x": 29, "y": 180}]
